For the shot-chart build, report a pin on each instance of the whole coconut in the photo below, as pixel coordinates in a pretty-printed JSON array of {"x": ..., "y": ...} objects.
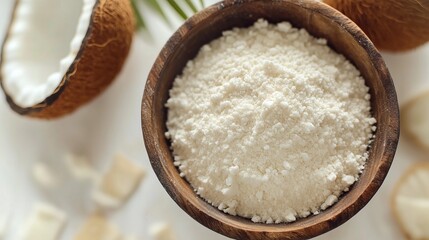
[{"x": 393, "y": 25}]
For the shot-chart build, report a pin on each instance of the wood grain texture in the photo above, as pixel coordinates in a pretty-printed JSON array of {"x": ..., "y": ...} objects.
[
  {"x": 100, "y": 58},
  {"x": 321, "y": 21}
]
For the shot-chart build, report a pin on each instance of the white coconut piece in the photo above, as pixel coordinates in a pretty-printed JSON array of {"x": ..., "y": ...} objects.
[
  {"x": 161, "y": 231},
  {"x": 80, "y": 167},
  {"x": 38, "y": 52},
  {"x": 105, "y": 201},
  {"x": 97, "y": 227},
  {"x": 411, "y": 202},
  {"x": 415, "y": 116},
  {"x": 44, "y": 175},
  {"x": 415, "y": 212},
  {"x": 45, "y": 223},
  {"x": 119, "y": 182}
]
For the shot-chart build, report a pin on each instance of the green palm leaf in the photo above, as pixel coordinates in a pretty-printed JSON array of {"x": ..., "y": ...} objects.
[
  {"x": 178, "y": 6},
  {"x": 178, "y": 9},
  {"x": 139, "y": 20},
  {"x": 191, "y": 5},
  {"x": 155, "y": 5}
]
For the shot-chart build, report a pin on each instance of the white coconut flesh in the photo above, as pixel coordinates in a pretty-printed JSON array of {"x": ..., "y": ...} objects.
[
  {"x": 416, "y": 116},
  {"x": 43, "y": 41},
  {"x": 411, "y": 203}
]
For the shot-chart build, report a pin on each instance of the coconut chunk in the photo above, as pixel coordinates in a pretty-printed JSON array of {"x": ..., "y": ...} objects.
[
  {"x": 80, "y": 167},
  {"x": 415, "y": 116},
  {"x": 44, "y": 175},
  {"x": 97, "y": 227},
  {"x": 119, "y": 182},
  {"x": 411, "y": 202},
  {"x": 45, "y": 223},
  {"x": 105, "y": 201},
  {"x": 416, "y": 213},
  {"x": 161, "y": 231}
]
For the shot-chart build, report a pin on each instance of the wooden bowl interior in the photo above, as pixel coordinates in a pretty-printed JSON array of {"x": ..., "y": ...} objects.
[{"x": 320, "y": 21}]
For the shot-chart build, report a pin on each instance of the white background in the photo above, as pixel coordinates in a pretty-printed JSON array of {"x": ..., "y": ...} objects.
[{"x": 111, "y": 124}]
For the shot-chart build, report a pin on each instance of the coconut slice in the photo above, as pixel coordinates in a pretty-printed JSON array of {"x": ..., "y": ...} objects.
[
  {"x": 97, "y": 227},
  {"x": 415, "y": 120},
  {"x": 60, "y": 54},
  {"x": 120, "y": 182},
  {"x": 411, "y": 202},
  {"x": 45, "y": 223},
  {"x": 80, "y": 168}
]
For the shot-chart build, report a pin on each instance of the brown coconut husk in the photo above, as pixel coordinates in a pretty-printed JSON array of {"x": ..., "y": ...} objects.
[{"x": 393, "y": 25}]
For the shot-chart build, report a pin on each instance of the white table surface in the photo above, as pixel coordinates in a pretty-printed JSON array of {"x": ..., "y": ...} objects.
[{"x": 111, "y": 124}]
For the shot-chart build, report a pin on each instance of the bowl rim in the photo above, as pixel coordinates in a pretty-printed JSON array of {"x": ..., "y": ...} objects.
[{"x": 204, "y": 214}]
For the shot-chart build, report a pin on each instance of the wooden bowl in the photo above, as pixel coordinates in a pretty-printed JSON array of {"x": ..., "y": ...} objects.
[{"x": 320, "y": 20}]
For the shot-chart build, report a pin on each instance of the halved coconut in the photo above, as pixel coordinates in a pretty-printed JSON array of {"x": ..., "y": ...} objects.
[
  {"x": 60, "y": 54},
  {"x": 410, "y": 202}
]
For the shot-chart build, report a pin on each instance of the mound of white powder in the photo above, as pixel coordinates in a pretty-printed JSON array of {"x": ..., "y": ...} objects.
[{"x": 269, "y": 123}]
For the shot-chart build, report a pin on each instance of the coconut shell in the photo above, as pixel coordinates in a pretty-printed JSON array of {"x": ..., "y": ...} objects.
[
  {"x": 99, "y": 60},
  {"x": 393, "y": 25}
]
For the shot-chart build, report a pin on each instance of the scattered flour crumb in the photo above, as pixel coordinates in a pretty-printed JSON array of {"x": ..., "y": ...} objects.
[
  {"x": 349, "y": 179},
  {"x": 269, "y": 123},
  {"x": 332, "y": 177},
  {"x": 329, "y": 202}
]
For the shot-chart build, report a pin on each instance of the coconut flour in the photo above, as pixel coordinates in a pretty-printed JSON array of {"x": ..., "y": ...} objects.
[{"x": 269, "y": 123}]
